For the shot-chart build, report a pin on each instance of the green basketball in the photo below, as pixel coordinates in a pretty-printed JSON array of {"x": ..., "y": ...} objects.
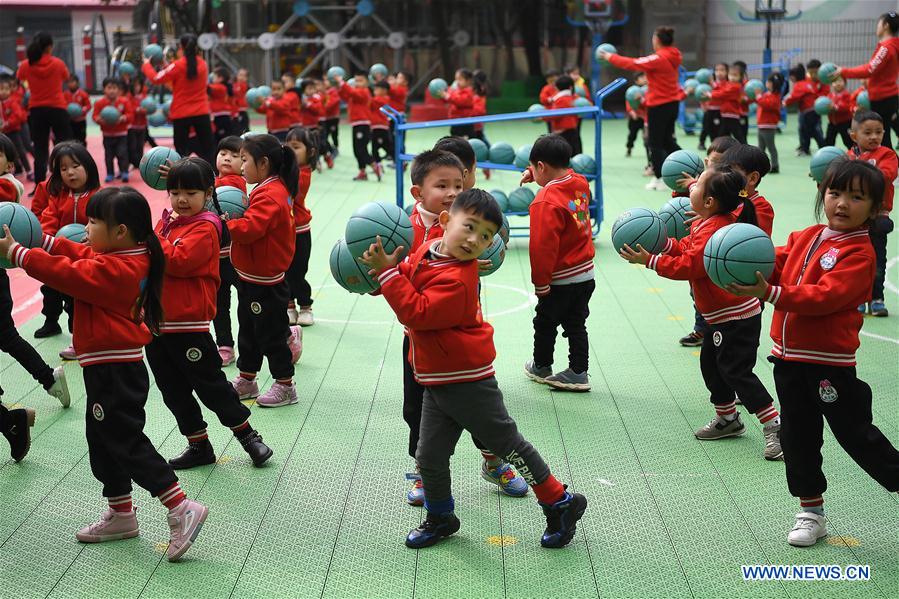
[
  {"x": 821, "y": 160},
  {"x": 150, "y": 163},
  {"x": 264, "y": 91},
  {"x": 520, "y": 199},
  {"x": 535, "y": 108},
  {"x": 583, "y": 103},
  {"x": 678, "y": 162},
  {"x": 126, "y": 68},
  {"x": 580, "y": 92},
  {"x": 23, "y": 226},
  {"x": 232, "y": 200},
  {"x": 583, "y": 164},
  {"x": 73, "y": 232},
  {"x": 523, "y": 157},
  {"x": 690, "y": 84},
  {"x": 374, "y": 219},
  {"x": 863, "y": 101},
  {"x": 502, "y": 153},
  {"x": 703, "y": 76},
  {"x": 254, "y": 100},
  {"x": 639, "y": 226},
  {"x": 735, "y": 252},
  {"x": 335, "y": 72},
  {"x": 702, "y": 91},
  {"x": 673, "y": 215},
  {"x": 634, "y": 96},
  {"x": 496, "y": 253},
  {"x": 409, "y": 209},
  {"x": 501, "y": 198},
  {"x": 823, "y": 105},
  {"x": 166, "y": 108},
  {"x": 605, "y": 48},
  {"x": 110, "y": 115},
  {"x": 153, "y": 52},
  {"x": 349, "y": 272},
  {"x": 378, "y": 70},
  {"x": 74, "y": 110},
  {"x": 504, "y": 230},
  {"x": 825, "y": 73},
  {"x": 157, "y": 119},
  {"x": 481, "y": 151},
  {"x": 148, "y": 105},
  {"x": 437, "y": 87},
  {"x": 754, "y": 88}
]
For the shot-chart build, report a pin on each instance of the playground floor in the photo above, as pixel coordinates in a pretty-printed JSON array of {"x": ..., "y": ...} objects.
[{"x": 669, "y": 516}]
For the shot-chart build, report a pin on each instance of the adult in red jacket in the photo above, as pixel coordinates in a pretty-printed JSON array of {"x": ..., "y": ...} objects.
[
  {"x": 188, "y": 77},
  {"x": 45, "y": 75},
  {"x": 662, "y": 99},
  {"x": 881, "y": 72}
]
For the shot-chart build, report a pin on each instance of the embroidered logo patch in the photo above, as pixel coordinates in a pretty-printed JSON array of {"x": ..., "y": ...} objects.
[
  {"x": 97, "y": 411},
  {"x": 194, "y": 354},
  {"x": 717, "y": 337},
  {"x": 827, "y": 392},
  {"x": 256, "y": 308},
  {"x": 829, "y": 259},
  {"x": 579, "y": 208}
]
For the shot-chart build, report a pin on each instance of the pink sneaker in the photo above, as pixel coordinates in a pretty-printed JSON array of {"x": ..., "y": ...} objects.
[
  {"x": 112, "y": 526},
  {"x": 68, "y": 353},
  {"x": 295, "y": 343},
  {"x": 227, "y": 355},
  {"x": 246, "y": 389},
  {"x": 278, "y": 395},
  {"x": 185, "y": 522}
]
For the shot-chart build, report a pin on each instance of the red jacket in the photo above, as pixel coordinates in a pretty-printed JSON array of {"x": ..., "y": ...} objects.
[
  {"x": 854, "y": 99},
  {"x": 296, "y": 107},
  {"x": 263, "y": 239},
  {"x": 220, "y": 104},
  {"x": 842, "y": 107},
  {"x": 421, "y": 230},
  {"x": 191, "y": 248},
  {"x": 312, "y": 110},
  {"x": 682, "y": 260},
  {"x": 65, "y": 209},
  {"x": 81, "y": 98},
  {"x": 105, "y": 286},
  {"x": 231, "y": 181},
  {"x": 123, "y": 105},
  {"x": 563, "y": 99},
  {"x": 12, "y": 115},
  {"x": 764, "y": 212},
  {"x": 189, "y": 96},
  {"x": 816, "y": 295},
  {"x": 803, "y": 93},
  {"x": 280, "y": 113},
  {"x": 661, "y": 71},
  {"x": 379, "y": 119},
  {"x": 479, "y": 109},
  {"x": 398, "y": 95},
  {"x": 358, "y": 101},
  {"x": 546, "y": 94},
  {"x": 881, "y": 71},
  {"x": 768, "y": 110},
  {"x": 45, "y": 80},
  {"x": 820, "y": 88},
  {"x": 40, "y": 200},
  {"x": 561, "y": 245},
  {"x": 885, "y": 159},
  {"x": 461, "y": 101},
  {"x": 332, "y": 110},
  {"x": 301, "y": 214},
  {"x": 710, "y": 104},
  {"x": 436, "y": 299},
  {"x": 140, "y": 115},
  {"x": 11, "y": 189},
  {"x": 239, "y": 98},
  {"x": 728, "y": 96}
]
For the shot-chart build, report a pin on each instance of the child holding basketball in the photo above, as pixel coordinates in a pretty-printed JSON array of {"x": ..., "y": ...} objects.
[
  {"x": 636, "y": 122},
  {"x": 262, "y": 247},
  {"x": 435, "y": 296},
  {"x": 358, "y": 99},
  {"x": 304, "y": 144},
  {"x": 11, "y": 189},
  {"x": 566, "y": 127},
  {"x": 711, "y": 115},
  {"x": 728, "y": 352},
  {"x": 137, "y": 129},
  {"x": 380, "y": 124},
  {"x": 74, "y": 94},
  {"x": 115, "y": 135},
  {"x": 728, "y": 95},
  {"x": 820, "y": 276},
  {"x": 804, "y": 94},
  {"x": 116, "y": 281},
  {"x": 768, "y": 107},
  {"x": 753, "y": 164},
  {"x": 281, "y": 110},
  {"x": 840, "y": 117},
  {"x": 561, "y": 251}
]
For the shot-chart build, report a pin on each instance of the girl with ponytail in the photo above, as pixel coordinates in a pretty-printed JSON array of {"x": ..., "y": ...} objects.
[
  {"x": 729, "y": 348},
  {"x": 116, "y": 279}
]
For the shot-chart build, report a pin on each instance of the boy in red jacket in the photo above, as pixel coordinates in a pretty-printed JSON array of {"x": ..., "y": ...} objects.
[
  {"x": 561, "y": 250},
  {"x": 279, "y": 110},
  {"x": 74, "y": 94},
  {"x": 804, "y": 93},
  {"x": 768, "y": 107},
  {"x": 867, "y": 133},
  {"x": 566, "y": 127},
  {"x": 115, "y": 135},
  {"x": 358, "y": 99},
  {"x": 381, "y": 140},
  {"x": 840, "y": 117},
  {"x": 435, "y": 295},
  {"x": 13, "y": 119},
  {"x": 729, "y": 95}
]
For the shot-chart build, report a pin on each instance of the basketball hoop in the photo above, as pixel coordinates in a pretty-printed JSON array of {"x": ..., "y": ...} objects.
[
  {"x": 770, "y": 9},
  {"x": 598, "y": 9}
]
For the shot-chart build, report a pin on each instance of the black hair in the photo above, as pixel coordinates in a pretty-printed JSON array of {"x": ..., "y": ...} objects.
[
  {"x": 553, "y": 150},
  {"x": 6, "y": 78},
  {"x": 460, "y": 148},
  {"x": 79, "y": 154},
  {"x": 480, "y": 203},
  {"x": 40, "y": 42},
  {"x": 113, "y": 81},
  {"x": 665, "y": 35},
  {"x": 307, "y": 137},
  {"x": 126, "y": 206},
  {"x": 193, "y": 173},
  {"x": 564, "y": 82},
  {"x": 845, "y": 174},
  {"x": 224, "y": 73},
  {"x": 75, "y": 79},
  {"x": 813, "y": 64},
  {"x": 382, "y": 83},
  {"x": 232, "y": 143},
  {"x": 282, "y": 162},
  {"x": 742, "y": 66},
  {"x": 798, "y": 72},
  {"x": 138, "y": 81},
  {"x": 189, "y": 47},
  {"x": 481, "y": 84},
  {"x": 360, "y": 73},
  {"x": 466, "y": 74},
  {"x": 308, "y": 82},
  {"x": 568, "y": 68},
  {"x": 777, "y": 81},
  {"x": 891, "y": 20},
  {"x": 638, "y": 74},
  {"x": 722, "y": 64},
  {"x": 861, "y": 116},
  {"x": 722, "y": 144},
  {"x": 8, "y": 149},
  {"x": 749, "y": 158},
  {"x": 728, "y": 187},
  {"x": 429, "y": 160},
  {"x": 551, "y": 73}
]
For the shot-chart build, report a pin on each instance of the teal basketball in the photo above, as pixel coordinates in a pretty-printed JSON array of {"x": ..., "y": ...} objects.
[
  {"x": 502, "y": 153},
  {"x": 148, "y": 105},
  {"x": 496, "y": 253},
  {"x": 153, "y": 52},
  {"x": 409, "y": 209},
  {"x": 481, "y": 151},
  {"x": 825, "y": 73},
  {"x": 754, "y": 88},
  {"x": 254, "y": 100},
  {"x": 863, "y": 101},
  {"x": 634, "y": 96},
  {"x": 501, "y": 198},
  {"x": 349, "y": 272},
  {"x": 520, "y": 199},
  {"x": 374, "y": 219},
  {"x": 674, "y": 215},
  {"x": 702, "y": 91},
  {"x": 166, "y": 108},
  {"x": 583, "y": 103},
  {"x": 735, "y": 252},
  {"x": 23, "y": 226},
  {"x": 437, "y": 87},
  {"x": 74, "y": 110},
  {"x": 583, "y": 164},
  {"x": 335, "y": 72},
  {"x": 823, "y": 105},
  {"x": 110, "y": 115},
  {"x": 264, "y": 91},
  {"x": 690, "y": 84},
  {"x": 821, "y": 161},
  {"x": 535, "y": 108},
  {"x": 378, "y": 70},
  {"x": 504, "y": 230},
  {"x": 678, "y": 162},
  {"x": 150, "y": 163},
  {"x": 703, "y": 76},
  {"x": 523, "y": 156},
  {"x": 580, "y": 92},
  {"x": 157, "y": 119},
  {"x": 126, "y": 68},
  {"x": 639, "y": 226},
  {"x": 605, "y": 48},
  {"x": 73, "y": 232},
  {"x": 232, "y": 200}
]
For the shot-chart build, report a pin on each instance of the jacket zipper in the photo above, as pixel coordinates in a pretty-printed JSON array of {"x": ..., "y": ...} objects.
[{"x": 808, "y": 256}]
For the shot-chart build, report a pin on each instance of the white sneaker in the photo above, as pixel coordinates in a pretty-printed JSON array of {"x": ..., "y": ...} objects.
[
  {"x": 292, "y": 316},
  {"x": 305, "y": 318},
  {"x": 60, "y": 389},
  {"x": 68, "y": 353},
  {"x": 656, "y": 184},
  {"x": 808, "y": 529},
  {"x": 648, "y": 172}
]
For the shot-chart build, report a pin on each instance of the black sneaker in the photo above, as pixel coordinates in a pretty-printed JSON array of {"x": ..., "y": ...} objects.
[
  {"x": 199, "y": 453},
  {"x": 50, "y": 329},
  {"x": 561, "y": 520},
  {"x": 258, "y": 451},
  {"x": 693, "y": 339},
  {"x": 17, "y": 430},
  {"x": 434, "y": 528}
]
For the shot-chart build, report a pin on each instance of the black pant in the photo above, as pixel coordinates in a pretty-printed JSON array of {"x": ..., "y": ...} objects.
[
  {"x": 466, "y": 131},
  {"x": 332, "y": 128},
  {"x": 264, "y": 328},
  {"x": 841, "y": 129},
  {"x": 887, "y": 108},
  {"x": 204, "y": 146},
  {"x": 574, "y": 140},
  {"x": 727, "y": 358},
  {"x": 808, "y": 393},
  {"x": 661, "y": 120},
  {"x": 569, "y": 306},
  {"x": 79, "y": 132},
  {"x": 54, "y": 304},
  {"x": 878, "y": 232},
  {"x": 12, "y": 343},
  {"x": 42, "y": 120},
  {"x": 223, "y": 127},
  {"x": 119, "y": 450},
  {"x": 711, "y": 124},
  {"x": 361, "y": 139},
  {"x": 21, "y": 153},
  {"x": 300, "y": 290},
  {"x": 809, "y": 129},
  {"x": 731, "y": 126},
  {"x": 222, "y": 321},
  {"x": 242, "y": 124},
  {"x": 744, "y": 127},
  {"x": 184, "y": 363},
  {"x": 634, "y": 127},
  {"x": 381, "y": 140},
  {"x": 116, "y": 149},
  {"x": 137, "y": 139}
]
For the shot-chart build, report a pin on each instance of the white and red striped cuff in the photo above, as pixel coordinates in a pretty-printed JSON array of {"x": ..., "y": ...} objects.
[
  {"x": 653, "y": 261},
  {"x": 668, "y": 245},
  {"x": 773, "y": 294},
  {"x": 540, "y": 290},
  {"x": 16, "y": 254},
  {"x": 47, "y": 243},
  {"x": 388, "y": 274}
]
